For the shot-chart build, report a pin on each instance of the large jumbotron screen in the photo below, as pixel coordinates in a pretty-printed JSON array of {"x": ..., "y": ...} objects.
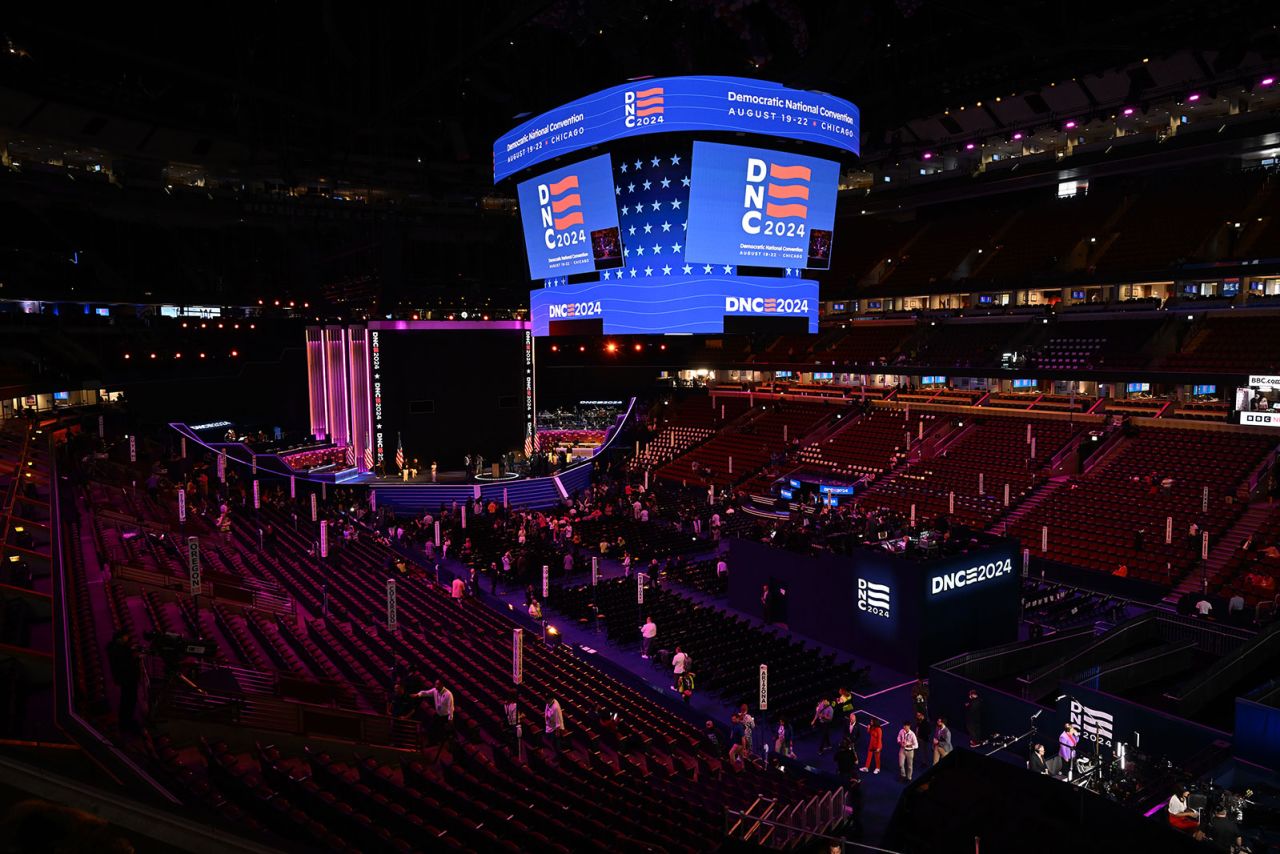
[{"x": 665, "y": 234}]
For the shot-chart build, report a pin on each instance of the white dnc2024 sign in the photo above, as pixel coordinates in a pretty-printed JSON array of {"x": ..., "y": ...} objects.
[
  {"x": 971, "y": 576},
  {"x": 1095, "y": 725},
  {"x": 873, "y": 598}
]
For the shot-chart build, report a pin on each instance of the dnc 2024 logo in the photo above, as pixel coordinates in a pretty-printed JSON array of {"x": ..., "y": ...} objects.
[
  {"x": 560, "y": 204},
  {"x": 776, "y": 198},
  {"x": 642, "y": 107},
  {"x": 873, "y": 598},
  {"x": 1095, "y": 725}
]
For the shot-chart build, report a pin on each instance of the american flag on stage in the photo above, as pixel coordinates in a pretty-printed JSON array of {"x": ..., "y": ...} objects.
[
  {"x": 351, "y": 456},
  {"x": 399, "y": 452},
  {"x": 368, "y": 458},
  {"x": 652, "y": 194}
]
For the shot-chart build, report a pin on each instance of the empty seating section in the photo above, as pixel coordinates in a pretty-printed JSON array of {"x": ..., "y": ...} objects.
[
  {"x": 1043, "y": 236},
  {"x": 1094, "y": 522},
  {"x": 1244, "y": 344},
  {"x": 748, "y": 445},
  {"x": 969, "y": 345},
  {"x": 867, "y": 343},
  {"x": 1251, "y": 573},
  {"x": 938, "y": 251},
  {"x": 1147, "y": 238},
  {"x": 1096, "y": 344},
  {"x": 867, "y": 447},
  {"x": 995, "y": 448}
]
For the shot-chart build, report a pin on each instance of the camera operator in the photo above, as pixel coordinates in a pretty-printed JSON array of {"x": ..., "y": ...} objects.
[{"x": 125, "y": 660}]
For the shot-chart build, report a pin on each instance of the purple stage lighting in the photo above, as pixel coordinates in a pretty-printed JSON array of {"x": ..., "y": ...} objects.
[
  {"x": 928, "y": 155},
  {"x": 1129, "y": 111},
  {"x": 968, "y": 146},
  {"x": 1017, "y": 136},
  {"x": 1070, "y": 125},
  {"x": 1193, "y": 97},
  {"x": 1268, "y": 81}
]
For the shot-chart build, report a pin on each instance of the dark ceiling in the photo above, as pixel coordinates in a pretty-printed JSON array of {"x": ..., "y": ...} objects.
[{"x": 323, "y": 82}]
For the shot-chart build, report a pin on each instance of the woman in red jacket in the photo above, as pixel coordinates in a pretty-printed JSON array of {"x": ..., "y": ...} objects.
[{"x": 875, "y": 740}]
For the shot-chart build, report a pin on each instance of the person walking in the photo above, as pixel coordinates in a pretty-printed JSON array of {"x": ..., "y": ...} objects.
[
  {"x": 822, "y": 717},
  {"x": 973, "y": 718},
  {"x": 907, "y": 746},
  {"x": 875, "y": 741},
  {"x": 442, "y": 697},
  {"x": 941, "y": 740}
]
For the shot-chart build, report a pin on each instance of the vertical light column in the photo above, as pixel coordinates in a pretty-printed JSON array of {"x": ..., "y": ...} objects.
[
  {"x": 316, "y": 386},
  {"x": 358, "y": 367},
  {"x": 337, "y": 410}
]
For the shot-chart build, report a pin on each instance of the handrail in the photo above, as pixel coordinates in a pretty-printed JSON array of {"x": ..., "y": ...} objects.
[{"x": 833, "y": 840}]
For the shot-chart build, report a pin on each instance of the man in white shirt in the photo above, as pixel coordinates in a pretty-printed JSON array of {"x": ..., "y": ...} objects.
[
  {"x": 442, "y": 697},
  {"x": 1203, "y": 607},
  {"x": 554, "y": 717},
  {"x": 907, "y": 746},
  {"x": 648, "y": 632},
  {"x": 678, "y": 662},
  {"x": 722, "y": 568}
]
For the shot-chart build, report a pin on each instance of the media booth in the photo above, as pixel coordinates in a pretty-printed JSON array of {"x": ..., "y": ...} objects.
[{"x": 900, "y": 611}]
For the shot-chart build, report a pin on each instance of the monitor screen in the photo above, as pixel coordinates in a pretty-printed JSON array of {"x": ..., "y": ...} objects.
[
  {"x": 1077, "y": 294},
  {"x": 570, "y": 220},
  {"x": 1204, "y": 389},
  {"x": 984, "y": 299},
  {"x": 1132, "y": 387},
  {"x": 933, "y": 380},
  {"x": 820, "y": 375},
  {"x": 760, "y": 208},
  {"x": 1025, "y": 383},
  {"x": 62, "y": 395}
]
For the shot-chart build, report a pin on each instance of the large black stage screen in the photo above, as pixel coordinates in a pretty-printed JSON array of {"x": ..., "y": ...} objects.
[
  {"x": 902, "y": 612},
  {"x": 452, "y": 393},
  {"x": 969, "y": 802}
]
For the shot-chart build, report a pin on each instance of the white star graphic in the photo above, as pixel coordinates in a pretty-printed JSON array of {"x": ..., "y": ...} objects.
[
  {"x": 675, "y": 247},
  {"x": 639, "y": 250},
  {"x": 633, "y": 272},
  {"x": 617, "y": 191},
  {"x": 605, "y": 276},
  {"x": 624, "y": 167},
  {"x": 727, "y": 269},
  {"x": 684, "y": 182},
  {"x": 657, "y": 161},
  {"x": 626, "y": 253},
  {"x": 666, "y": 226},
  {"x": 687, "y": 269},
  {"x": 787, "y": 271},
  {"x": 657, "y": 249},
  {"x": 675, "y": 160},
  {"x": 657, "y": 206},
  {"x": 666, "y": 182},
  {"x": 625, "y": 210},
  {"x": 684, "y": 226},
  {"x": 631, "y": 231},
  {"x": 666, "y": 269},
  {"x": 648, "y": 271},
  {"x": 706, "y": 268},
  {"x": 675, "y": 204},
  {"x": 648, "y": 227},
  {"x": 631, "y": 188},
  {"x": 647, "y": 184},
  {"x": 639, "y": 163}
]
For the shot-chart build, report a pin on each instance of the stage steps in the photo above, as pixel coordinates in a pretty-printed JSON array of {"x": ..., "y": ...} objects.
[{"x": 1033, "y": 501}]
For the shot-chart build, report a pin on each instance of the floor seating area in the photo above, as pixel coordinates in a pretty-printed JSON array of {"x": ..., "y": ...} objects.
[
  {"x": 1094, "y": 522},
  {"x": 716, "y": 640}
]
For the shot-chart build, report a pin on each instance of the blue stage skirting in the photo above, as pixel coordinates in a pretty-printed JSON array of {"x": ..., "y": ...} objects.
[{"x": 535, "y": 493}]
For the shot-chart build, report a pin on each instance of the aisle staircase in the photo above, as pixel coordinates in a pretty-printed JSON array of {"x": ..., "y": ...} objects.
[{"x": 1221, "y": 551}]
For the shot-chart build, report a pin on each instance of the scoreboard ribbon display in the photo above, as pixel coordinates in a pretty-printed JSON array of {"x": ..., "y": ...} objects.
[
  {"x": 761, "y": 208},
  {"x": 678, "y": 105},
  {"x": 570, "y": 220},
  {"x": 678, "y": 304}
]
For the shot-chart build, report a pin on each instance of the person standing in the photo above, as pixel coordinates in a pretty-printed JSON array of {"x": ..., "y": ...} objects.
[
  {"x": 907, "y": 746},
  {"x": 126, "y": 670},
  {"x": 442, "y": 697},
  {"x": 748, "y": 725},
  {"x": 679, "y": 662},
  {"x": 648, "y": 632},
  {"x": 920, "y": 696},
  {"x": 847, "y": 758},
  {"x": 875, "y": 741},
  {"x": 782, "y": 746},
  {"x": 973, "y": 718},
  {"x": 554, "y": 717},
  {"x": 941, "y": 740},
  {"x": 511, "y": 713},
  {"x": 822, "y": 717},
  {"x": 1067, "y": 747}
]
